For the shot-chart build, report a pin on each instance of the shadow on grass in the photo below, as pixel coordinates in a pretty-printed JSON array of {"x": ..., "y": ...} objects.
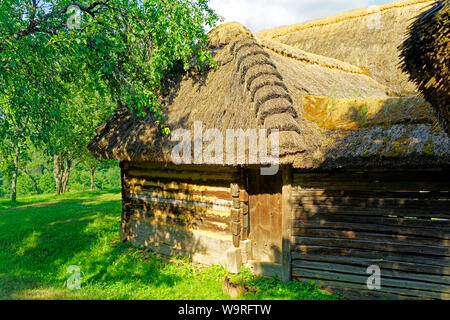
[
  {"x": 273, "y": 288},
  {"x": 50, "y": 198},
  {"x": 39, "y": 242}
]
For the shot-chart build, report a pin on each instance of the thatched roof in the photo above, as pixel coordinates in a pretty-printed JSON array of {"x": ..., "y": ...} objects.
[
  {"x": 264, "y": 84},
  {"x": 366, "y": 37},
  {"x": 375, "y": 132},
  {"x": 426, "y": 57}
]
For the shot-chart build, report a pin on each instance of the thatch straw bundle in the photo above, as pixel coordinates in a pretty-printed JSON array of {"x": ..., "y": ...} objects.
[
  {"x": 425, "y": 56},
  {"x": 329, "y": 113},
  {"x": 367, "y": 38}
]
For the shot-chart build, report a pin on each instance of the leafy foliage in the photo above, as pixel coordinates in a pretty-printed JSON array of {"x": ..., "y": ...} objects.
[
  {"x": 107, "y": 177},
  {"x": 127, "y": 45},
  {"x": 65, "y": 66}
]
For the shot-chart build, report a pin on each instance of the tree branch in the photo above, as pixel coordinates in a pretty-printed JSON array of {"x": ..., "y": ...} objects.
[{"x": 35, "y": 23}]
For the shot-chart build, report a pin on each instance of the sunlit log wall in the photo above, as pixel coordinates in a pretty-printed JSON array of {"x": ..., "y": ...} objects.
[
  {"x": 343, "y": 222},
  {"x": 179, "y": 210}
]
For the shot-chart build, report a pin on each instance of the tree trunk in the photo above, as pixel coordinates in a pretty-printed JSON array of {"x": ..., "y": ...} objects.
[
  {"x": 35, "y": 184},
  {"x": 61, "y": 172},
  {"x": 14, "y": 176},
  {"x": 66, "y": 175},
  {"x": 92, "y": 178},
  {"x": 57, "y": 172}
]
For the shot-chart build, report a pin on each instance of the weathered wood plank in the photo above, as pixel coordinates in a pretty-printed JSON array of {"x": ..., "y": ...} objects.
[
  {"x": 235, "y": 191},
  {"x": 373, "y": 202},
  {"x": 265, "y": 193},
  {"x": 389, "y": 181},
  {"x": 235, "y": 214},
  {"x": 180, "y": 196},
  {"x": 286, "y": 194},
  {"x": 184, "y": 167},
  {"x": 388, "y": 246},
  {"x": 345, "y": 221},
  {"x": 236, "y": 203},
  {"x": 161, "y": 226},
  {"x": 236, "y": 240},
  {"x": 171, "y": 185},
  {"x": 235, "y": 228},
  {"x": 218, "y": 205},
  {"x": 180, "y": 175},
  {"x": 222, "y": 195},
  {"x": 178, "y": 213},
  {"x": 194, "y": 222},
  {"x": 439, "y": 194},
  {"x": 308, "y": 211},
  {"x": 382, "y": 261},
  {"x": 413, "y": 175},
  {"x": 359, "y": 291},
  {"x": 413, "y": 227},
  {"x": 368, "y": 186},
  {"x": 422, "y": 288},
  {"x": 361, "y": 235},
  {"x": 438, "y": 262},
  {"x": 442, "y": 281},
  {"x": 185, "y": 208},
  {"x": 125, "y": 229}
]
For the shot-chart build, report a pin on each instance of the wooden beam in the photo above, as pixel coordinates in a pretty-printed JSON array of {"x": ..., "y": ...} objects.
[
  {"x": 286, "y": 208},
  {"x": 244, "y": 206},
  {"x": 235, "y": 215},
  {"x": 125, "y": 228}
]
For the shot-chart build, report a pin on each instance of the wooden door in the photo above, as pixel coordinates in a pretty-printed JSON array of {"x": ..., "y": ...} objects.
[{"x": 265, "y": 216}]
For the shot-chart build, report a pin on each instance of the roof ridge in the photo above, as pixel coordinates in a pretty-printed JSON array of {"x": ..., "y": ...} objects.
[
  {"x": 310, "y": 58},
  {"x": 260, "y": 78},
  {"x": 336, "y": 18},
  {"x": 225, "y": 33},
  {"x": 270, "y": 97}
]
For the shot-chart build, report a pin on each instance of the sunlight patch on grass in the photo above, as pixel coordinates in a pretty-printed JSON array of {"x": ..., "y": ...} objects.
[
  {"x": 31, "y": 241},
  {"x": 71, "y": 220},
  {"x": 39, "y": 242},
  {"x": 47, "y": 294}
]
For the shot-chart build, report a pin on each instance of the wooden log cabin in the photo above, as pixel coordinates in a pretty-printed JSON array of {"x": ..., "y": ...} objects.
[{"x": 363, "y": 179}]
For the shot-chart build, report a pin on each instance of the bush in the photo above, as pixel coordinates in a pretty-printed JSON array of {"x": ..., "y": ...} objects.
[
  {"x": 47, "y": 183},
  {"x": 5, "y": 185},
  {"x": 75, "y": 186},
  {"x": 24, "y": 185},
  {"x": 108, "y": 178},
  {"x": 105, "y": 178}
]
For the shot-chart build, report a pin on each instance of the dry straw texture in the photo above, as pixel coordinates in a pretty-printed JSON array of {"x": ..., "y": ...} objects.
[
  {"x": 367, "y": 38},
  {"x": 263, "y": 84},
  {"x": 425, "y": 56},
  {"x": 392, "y": 132}
]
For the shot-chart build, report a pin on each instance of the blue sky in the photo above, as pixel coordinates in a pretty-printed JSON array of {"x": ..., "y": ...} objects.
[{"x": 262, "y": 14}]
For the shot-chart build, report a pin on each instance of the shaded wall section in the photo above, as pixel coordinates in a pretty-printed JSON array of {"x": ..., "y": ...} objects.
[
  {"x": 178, "y": 210},
  {"x": 345, "y": 221}
]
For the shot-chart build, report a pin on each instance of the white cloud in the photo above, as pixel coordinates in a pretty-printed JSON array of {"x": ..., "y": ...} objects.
[{"x": 262, "y": 14}]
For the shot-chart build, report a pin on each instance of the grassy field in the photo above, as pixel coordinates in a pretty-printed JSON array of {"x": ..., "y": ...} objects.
[{"x": 41, "y": 236}]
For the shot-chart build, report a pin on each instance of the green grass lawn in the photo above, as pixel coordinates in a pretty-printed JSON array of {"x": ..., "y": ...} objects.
[{"x": 41, "y": 236}]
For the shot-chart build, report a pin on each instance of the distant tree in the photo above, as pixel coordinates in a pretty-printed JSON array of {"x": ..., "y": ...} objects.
[
  {"x": 32, "y": 164},
  {"x": 92, "y": 164},
  {"x": 125, "y": 47},
  {"x": 10, "y": 150},
  {"x": 82, "y": 114}
]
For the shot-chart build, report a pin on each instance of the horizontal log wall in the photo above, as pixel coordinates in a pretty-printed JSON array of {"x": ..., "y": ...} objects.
[
  {"x": 180, "y": 210},
  {"x": 344, "y": 222}
]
